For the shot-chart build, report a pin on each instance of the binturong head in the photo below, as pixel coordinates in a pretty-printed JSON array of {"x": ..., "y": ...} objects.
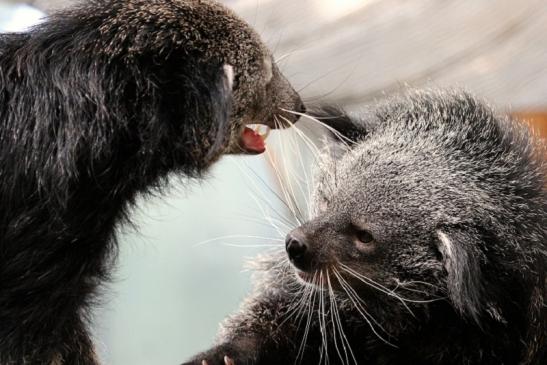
[
  {"x": 214, "y": 36},
  {"x": 433, "y": 195},
  {"x": 262, "y": 98},
  {"x": 191, "y": 72}
]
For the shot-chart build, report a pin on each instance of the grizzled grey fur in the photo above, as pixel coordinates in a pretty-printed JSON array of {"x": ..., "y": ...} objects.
[
  {"x": 98, "y": 104},
  {"x": 427, "y": 242}
]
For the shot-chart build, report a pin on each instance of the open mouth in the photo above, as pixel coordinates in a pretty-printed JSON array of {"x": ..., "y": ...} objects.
[{"x": 253, "y": 138}]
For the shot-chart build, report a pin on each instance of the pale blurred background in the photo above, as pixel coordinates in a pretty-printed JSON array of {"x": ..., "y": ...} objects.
[{"x": 181, "y": 273}]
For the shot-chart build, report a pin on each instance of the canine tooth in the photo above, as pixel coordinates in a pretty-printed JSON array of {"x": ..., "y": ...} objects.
[
  {"x": 264, "y": 131},
  {"x": 260, "y": 129}
]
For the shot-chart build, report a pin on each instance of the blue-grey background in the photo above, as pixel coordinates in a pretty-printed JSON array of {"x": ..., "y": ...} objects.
[{"x": 170, "y": 292}]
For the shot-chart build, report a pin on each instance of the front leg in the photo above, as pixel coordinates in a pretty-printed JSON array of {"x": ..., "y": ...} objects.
[
  {"x": 267, "y": 330},
  {"x": 227, "y": 361},
  {"x": 239, "y": 352}
]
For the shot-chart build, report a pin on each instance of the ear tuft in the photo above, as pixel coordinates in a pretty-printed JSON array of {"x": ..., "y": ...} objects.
[
  {"x": 221, "y": 106},
  {"x": 459, "y": 250},
  {"x": 228, "y": 76}
]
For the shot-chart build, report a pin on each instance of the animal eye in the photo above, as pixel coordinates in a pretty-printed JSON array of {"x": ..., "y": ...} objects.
[
  {"x": 364, "y": 242},
  {"x": 364, "y": 236}
]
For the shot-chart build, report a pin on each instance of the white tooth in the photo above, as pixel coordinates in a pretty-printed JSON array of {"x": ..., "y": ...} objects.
[
  {"x": 265, "y": 132},
  {"x": 260, "y": 129}
]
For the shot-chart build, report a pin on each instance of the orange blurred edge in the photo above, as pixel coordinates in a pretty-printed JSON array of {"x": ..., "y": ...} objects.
[{"x": 537, "y": 120}]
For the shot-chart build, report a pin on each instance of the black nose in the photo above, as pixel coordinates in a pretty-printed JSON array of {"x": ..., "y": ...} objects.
[
  {"x": 297, "y": 249},
  {"x": 301, "y": 108}
]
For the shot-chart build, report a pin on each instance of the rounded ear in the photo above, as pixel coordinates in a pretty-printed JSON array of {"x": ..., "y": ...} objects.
[
  {"x": 339, "y": 124},
  {"x": 228, "y": 77},
  {"x": 221, "y": 104},
  {"x": 461, "y": 259},
  {"x": 181, "y": 96}
]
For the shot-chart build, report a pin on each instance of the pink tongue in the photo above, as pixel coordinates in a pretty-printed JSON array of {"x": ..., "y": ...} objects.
[{"x": 252, "y": 142}]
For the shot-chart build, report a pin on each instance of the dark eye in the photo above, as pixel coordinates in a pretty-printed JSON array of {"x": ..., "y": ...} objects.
[
  {"x": 364, "y": 236},
  {"x": 363, "y": 240}
]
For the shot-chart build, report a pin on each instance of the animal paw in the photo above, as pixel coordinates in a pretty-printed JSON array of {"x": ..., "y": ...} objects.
[
  {"x": 213, "y": 360},
  {"x": 227, "y": 361}
]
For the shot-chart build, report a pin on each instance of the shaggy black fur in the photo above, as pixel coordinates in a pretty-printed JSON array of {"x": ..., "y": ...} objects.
[
  {"x": 97, "y": 104},
  {"x": 427, "y": 245}
]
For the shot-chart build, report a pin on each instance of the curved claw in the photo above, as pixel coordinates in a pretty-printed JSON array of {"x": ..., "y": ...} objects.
[{"x": 227, "y": 361}]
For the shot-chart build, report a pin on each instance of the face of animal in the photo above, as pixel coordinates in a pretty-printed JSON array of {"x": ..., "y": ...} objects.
[
  {"x": 260, "y": 92},
  {"x": 262, "y": 95},
  {"x": 420, "y": 206},
  {"x": 184, "y": 48},
  {"x": 375, "y": 225}
]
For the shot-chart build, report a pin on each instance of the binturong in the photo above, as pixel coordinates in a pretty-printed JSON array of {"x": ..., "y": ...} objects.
[
  {"x": 426, "y": 245},
  {"x": 100, "y": 103}
]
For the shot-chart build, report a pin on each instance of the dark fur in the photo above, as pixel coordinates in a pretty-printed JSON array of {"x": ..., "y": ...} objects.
[
  {"x": 98, "y": 104},
  {"x": 455, "y": 199}
]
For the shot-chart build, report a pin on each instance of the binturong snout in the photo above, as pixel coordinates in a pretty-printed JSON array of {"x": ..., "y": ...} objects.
[
  {"x": 320, "y": 244},
  {"x": 285, "y": 101},
  {"x": 298, "y": 249}
]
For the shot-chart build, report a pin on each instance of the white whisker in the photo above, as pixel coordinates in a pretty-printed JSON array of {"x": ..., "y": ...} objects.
[
  {"x": 347, "y": 141},
  {"x": 322, "y": 322},
  {"x": 337, "y": 326},
  {"x": 382, "y": 288},
  {"x": 311, "y": 305},
  {"x": 355, "y": 300},
  {"x": 239, "y": 236},
  {"x": 290, "y": 192}
]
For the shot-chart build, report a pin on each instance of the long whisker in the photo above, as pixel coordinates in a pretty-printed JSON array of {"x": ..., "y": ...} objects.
[
  {"x": 337, "y": 324},
  {"x": 288, "y": 195},
  {"x": 308, "y": 182},
  {"x": 302, "y": 348},
  {"x": 382, "y": 288},
  {"x": 335, "y": 69},
  {"x": 347, "y": 141},
  {"x": 338, "y": 319},
  {"x": 236, "y": 236},
  {"x": 238, "y": 245},
  {"x": 404, "y": 285},
  {"x": 356, "y": 296},
  {"x": 242, "y": 217},
  {"x": 315, "y": 152},
  {"x": 266, "y": 201},
  {"x": 322, "y": 321},
  {"x": 350, "y": 294},
  {"x": 301, "y": 315},
  {"x": 290, "y": 186},
  {"x": 275, "y": 193},
  {"x": 296, "y": 307},
  {"x": 302, "y": 181},
  {"x": 257, "y": 198}
]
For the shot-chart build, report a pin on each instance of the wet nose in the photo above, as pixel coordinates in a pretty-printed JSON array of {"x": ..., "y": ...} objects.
[
  {"x": 297, "y": 249},
  {"x": 301, "y": 108}
]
